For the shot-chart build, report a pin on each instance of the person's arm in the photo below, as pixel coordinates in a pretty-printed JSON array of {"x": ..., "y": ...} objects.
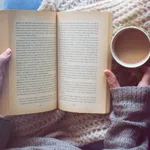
[
  {"x": 130, "y": 116},
  {"x": 5, "y": 125}
]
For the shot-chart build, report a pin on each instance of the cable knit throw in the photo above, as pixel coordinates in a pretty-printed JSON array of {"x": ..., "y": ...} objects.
[{"x": 81, "y": 129}]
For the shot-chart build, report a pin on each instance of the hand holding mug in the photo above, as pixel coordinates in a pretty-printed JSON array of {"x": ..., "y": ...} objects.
[{"x": 113, "y": 82}]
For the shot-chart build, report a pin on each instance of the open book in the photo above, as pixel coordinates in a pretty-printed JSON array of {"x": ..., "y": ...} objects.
[{"x": 57, "y": 61}]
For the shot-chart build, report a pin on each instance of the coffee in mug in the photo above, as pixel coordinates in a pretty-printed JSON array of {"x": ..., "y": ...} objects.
[{"x": 130, "y": 47}]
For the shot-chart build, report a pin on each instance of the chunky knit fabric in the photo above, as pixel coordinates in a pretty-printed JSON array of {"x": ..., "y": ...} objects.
[
  {"x": 82, "y": 129},
  {"x": 41, "y": 144},
  {"x": 129, "y": 124},
  {"x": 125, "y": 12}
]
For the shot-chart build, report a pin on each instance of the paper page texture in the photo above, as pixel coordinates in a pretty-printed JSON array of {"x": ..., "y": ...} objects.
[
  {"x": 83, "y": 52},
  {"x": 32, "y": 78},
  {"x": 4, "y": 43}
]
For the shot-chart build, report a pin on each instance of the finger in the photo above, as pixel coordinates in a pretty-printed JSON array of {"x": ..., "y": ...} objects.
[
  {"x": 111, "y": 79},
  {"x": 146, "y": 78},
  {"x": 4, "y": 57}
]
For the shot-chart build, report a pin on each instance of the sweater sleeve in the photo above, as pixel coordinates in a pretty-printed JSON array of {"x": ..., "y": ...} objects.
[
  {"x": 5, "y": 132},
  {"x": 129, "y": 119}
]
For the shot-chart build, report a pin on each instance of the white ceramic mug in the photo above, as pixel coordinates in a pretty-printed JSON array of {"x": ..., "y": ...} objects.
[{"x": 126, "y": 39}]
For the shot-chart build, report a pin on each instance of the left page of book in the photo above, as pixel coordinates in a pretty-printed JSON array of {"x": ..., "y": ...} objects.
[
  {"x": 4, "y": 43},
  {"x": 32, "y": 83}
]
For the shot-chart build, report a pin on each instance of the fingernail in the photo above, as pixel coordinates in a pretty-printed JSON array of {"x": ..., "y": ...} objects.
[
  {"x": 8, "y": 51},
  {"x": 107, "y": 74}
]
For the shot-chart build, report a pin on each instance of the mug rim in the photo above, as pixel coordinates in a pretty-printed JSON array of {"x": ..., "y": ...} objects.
[{"x": 134, "y": 65}]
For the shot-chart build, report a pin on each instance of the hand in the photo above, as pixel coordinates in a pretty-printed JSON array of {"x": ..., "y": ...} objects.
[
  {"x": 113, "y": 82},
  {"x": 4, "y": 57}
]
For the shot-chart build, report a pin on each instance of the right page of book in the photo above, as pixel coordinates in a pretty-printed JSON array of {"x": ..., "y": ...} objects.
[{"x": 83, "y": 55}]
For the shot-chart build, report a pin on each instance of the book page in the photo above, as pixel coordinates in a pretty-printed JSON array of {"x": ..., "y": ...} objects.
[
  {"x": 4, "y": 42},
  {"x": 83, "y": 55},
  {"x": 32, "y": 68}
]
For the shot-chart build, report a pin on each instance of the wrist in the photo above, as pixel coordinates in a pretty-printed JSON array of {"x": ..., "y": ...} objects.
[
  {"x": 130, "y": 93},
  {"x": 130, "y": 100}
]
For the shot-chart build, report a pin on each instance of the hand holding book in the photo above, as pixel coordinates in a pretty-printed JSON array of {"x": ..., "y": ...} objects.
[{"x": 4, "y": 58}]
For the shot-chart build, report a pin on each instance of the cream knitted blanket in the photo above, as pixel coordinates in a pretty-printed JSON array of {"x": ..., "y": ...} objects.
[{"x": 82, "y": 129}]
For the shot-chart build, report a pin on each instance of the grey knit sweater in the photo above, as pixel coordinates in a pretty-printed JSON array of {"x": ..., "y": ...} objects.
[
  {"x": 129, "y": 129},
  {"x": 130, "y": 119}
]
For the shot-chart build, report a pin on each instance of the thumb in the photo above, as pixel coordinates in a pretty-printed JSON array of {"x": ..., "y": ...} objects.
[
  {"x": 146, "y": 78},
  {"x": 111, "y": 79},
  {"x": 4, "y": 57}
]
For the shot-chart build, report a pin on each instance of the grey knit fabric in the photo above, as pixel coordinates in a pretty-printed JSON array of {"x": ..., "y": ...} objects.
[
  {"x": 129, "y": 128},
  {"x": 130, "y": 119},
  {"x": 41, "y": 144}
]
